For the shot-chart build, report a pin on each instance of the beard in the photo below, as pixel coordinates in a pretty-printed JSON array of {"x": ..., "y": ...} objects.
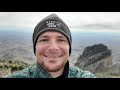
[{"x": 53, "y": 68}]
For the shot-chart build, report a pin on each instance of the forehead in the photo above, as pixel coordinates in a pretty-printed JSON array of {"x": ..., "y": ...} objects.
[{"x": 52, "y": 33}]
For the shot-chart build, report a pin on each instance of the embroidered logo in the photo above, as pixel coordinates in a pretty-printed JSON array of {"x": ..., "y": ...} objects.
[{"x": 53, "y": 24}]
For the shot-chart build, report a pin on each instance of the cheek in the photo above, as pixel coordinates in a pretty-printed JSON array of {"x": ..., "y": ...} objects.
[
  {"x": 40, "y": 48},
  {"x": 66, "y": 49}
]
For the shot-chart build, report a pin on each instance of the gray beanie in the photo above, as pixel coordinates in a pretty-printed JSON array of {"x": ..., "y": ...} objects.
[{"x": 52, "y": 23}]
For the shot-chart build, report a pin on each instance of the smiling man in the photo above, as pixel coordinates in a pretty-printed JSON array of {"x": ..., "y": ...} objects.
[{"x": 52, "y": 47}]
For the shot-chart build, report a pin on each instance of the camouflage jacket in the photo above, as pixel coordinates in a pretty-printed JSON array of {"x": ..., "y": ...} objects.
[{"x": 36, "y": 71}]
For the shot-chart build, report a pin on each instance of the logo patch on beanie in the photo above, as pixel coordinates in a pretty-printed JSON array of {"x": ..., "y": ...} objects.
[{"x": 53, "y": 24}]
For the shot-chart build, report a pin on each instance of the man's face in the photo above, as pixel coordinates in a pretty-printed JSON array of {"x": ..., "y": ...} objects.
[{"x": 52, "y": 51}]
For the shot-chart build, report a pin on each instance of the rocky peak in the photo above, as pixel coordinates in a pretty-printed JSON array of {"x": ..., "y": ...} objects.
[
  {"x": 94, "y": 56},
  {"x": 92, "y": 50}
]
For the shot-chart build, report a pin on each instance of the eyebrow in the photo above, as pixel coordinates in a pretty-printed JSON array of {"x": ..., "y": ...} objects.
[
  {"x": 61, "y": 37},
  {"x": 44, "y": 36}
]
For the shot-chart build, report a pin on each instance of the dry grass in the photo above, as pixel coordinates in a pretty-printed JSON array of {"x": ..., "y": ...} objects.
[{"x": 108, "y": 75}]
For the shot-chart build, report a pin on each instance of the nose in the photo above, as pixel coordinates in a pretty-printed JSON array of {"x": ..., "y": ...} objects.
[{"x": 53, "y": 47}]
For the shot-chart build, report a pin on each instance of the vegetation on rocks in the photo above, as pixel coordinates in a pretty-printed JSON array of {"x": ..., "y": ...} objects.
[{"x": 9, "y": 66}]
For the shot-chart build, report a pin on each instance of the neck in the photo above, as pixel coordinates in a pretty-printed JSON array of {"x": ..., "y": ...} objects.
[
  {"x": 63, "y": 73},
  {"x": 56, "y": 74}
]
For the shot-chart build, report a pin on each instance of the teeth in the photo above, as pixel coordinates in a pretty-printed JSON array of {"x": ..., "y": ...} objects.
[{"x": 53, "y": 56}]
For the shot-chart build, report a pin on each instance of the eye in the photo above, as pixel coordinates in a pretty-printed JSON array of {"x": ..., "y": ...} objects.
[
  {"x": 42, "y": 40},
  {"x": 62, "y": 40}
]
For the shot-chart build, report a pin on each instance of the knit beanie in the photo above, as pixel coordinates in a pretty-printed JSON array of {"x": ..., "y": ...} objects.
[{"x": 51, "y": 23}]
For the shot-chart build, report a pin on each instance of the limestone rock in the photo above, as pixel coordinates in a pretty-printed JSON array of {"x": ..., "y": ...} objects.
[{"x": 95, "y": 58}]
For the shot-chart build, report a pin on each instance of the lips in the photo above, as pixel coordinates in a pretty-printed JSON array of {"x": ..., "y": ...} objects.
[{"x": 53, "y": 56}]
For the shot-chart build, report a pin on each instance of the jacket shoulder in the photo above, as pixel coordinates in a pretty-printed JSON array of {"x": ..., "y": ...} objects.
[{"x": 75, "y": 72}]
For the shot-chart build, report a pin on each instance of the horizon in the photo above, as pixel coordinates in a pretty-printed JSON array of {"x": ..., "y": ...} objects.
[
  {"x": 81, "y": 20},
  {"x": 73, "y": 30}
]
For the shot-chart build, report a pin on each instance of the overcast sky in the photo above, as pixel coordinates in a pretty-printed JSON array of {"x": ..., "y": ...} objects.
[{"x": 28, "y": 20}]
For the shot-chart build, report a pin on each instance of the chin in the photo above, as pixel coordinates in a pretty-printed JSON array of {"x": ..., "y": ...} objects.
[{"x": 53, "y": 67}]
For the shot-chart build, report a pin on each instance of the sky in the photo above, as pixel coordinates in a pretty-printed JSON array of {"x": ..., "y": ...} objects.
[{"x": 86, "y": 20}]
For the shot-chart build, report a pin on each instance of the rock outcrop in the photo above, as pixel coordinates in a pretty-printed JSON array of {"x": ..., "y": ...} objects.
[{"x": 95, "y": 58}]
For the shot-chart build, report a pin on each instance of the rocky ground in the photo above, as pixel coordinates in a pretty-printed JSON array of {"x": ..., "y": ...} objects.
[{"x": 9, "y": 66}]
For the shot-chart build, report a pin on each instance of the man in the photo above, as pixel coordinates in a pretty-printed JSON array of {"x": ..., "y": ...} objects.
[{"x": 52, "y": 48}]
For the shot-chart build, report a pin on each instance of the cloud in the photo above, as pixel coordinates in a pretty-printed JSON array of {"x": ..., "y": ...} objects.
[{"x": 72, "y": 19}]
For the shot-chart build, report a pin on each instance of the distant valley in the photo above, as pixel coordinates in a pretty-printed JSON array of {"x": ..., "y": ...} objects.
[{"x": 17, "y": 44}]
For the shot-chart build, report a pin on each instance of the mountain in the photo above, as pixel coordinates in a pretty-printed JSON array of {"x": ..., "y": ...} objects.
[{"x": 95, "y": 58}]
